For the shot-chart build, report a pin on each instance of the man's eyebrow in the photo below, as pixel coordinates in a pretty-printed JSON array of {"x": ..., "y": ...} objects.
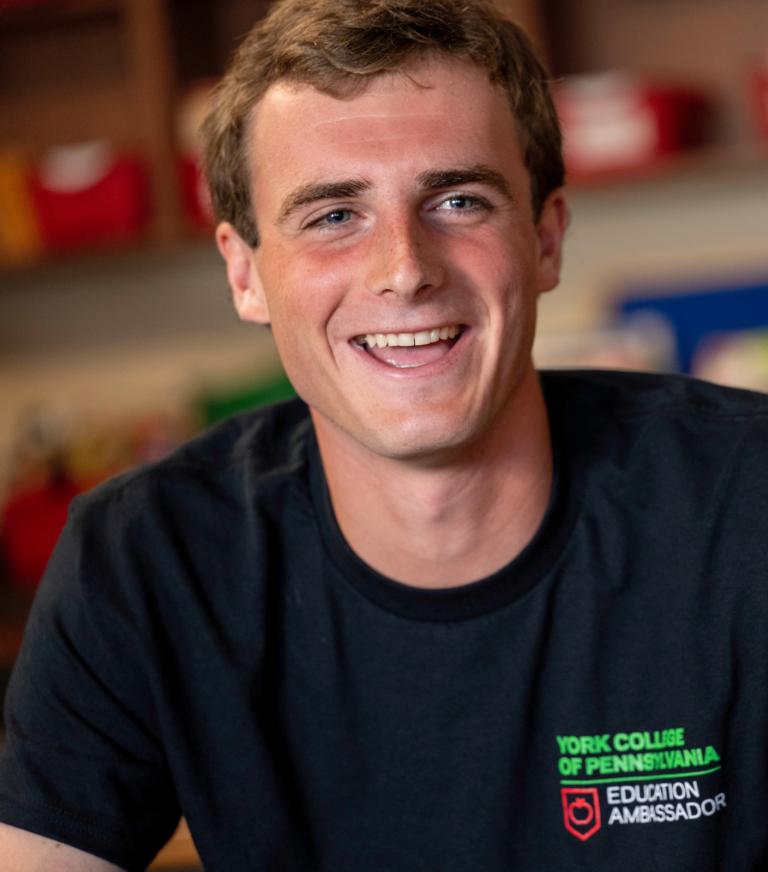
[
  {"x": 316, "y": 191},
  {"x": 457, "y": 176}
]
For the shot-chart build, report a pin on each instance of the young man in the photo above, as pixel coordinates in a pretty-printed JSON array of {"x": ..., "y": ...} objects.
[{"x": 444, "y": 613}]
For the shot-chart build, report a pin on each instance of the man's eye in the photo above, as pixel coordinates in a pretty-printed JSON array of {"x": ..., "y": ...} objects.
[
  {"x": 462, "y": 203},
  {"x": 332, "y": 218}
]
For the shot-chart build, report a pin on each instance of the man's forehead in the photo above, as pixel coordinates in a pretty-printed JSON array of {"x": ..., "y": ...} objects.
[
  {"x": 439, "y": 80},
  {"x": 438, "y": 120},
  {"x": 382, "y": 125}
]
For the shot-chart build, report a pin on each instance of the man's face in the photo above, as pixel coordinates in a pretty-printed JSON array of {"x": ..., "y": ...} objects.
[{"x": 399, "y": 262}]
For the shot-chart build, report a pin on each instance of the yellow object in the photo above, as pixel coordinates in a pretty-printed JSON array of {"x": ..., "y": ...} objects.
[{"x": 19, "y": 231}]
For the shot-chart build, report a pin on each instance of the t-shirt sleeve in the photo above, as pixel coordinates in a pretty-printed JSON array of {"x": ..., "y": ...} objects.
[{"x": 82, "y": 761}]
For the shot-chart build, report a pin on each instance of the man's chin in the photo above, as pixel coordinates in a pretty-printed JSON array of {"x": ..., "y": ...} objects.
[{"x": 420, "y": 443}]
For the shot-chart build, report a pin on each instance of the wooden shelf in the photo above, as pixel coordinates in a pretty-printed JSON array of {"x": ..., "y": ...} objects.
[
  {"x": 112, "y": 69},
  {"x": 53, "y": 14},
  {"x": 39, "y": 121},
  {"x": 109, "y": 69},
  {"x": 707, "y": 162},
  {"x": 95, "y": 69}
]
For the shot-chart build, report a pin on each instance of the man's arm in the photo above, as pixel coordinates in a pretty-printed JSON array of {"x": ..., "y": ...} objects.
[
  {"x": 83, "y": 762},
  {"x": 21, "y": 851}
]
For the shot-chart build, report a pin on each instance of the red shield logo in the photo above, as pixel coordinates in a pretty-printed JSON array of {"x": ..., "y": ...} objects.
[{"x": 581, "y": 811}]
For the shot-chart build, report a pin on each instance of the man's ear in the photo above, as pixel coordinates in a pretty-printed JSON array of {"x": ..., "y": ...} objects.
[
  {"x": 550, "y": 229},
  {"x": 247, "y": 290}
]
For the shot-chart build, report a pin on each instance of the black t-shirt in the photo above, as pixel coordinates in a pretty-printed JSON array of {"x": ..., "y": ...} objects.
[{"x": 205, "y": 642}]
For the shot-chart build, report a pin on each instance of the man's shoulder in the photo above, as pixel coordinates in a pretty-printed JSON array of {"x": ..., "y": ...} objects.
[
  {"x": 227, "y": 463},
  {"x": 657, "y": 427},
  {"x": 628, "y": 395}
]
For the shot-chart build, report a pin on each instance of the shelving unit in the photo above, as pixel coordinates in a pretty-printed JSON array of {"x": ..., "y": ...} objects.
[
  {"x": 708, "y": 44},
  {"x": 94, "y": 69},
  {"x": 114, "y": 70}
]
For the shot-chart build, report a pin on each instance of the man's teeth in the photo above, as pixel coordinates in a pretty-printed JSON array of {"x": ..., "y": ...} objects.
[{"x": 403, "y": 340}]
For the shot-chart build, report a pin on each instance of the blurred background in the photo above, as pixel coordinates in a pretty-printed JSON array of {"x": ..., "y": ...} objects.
[{"x": 117, "y": 337}]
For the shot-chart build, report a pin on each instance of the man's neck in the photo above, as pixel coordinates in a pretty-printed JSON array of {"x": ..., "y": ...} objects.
[{"x": 446, "y": 525}]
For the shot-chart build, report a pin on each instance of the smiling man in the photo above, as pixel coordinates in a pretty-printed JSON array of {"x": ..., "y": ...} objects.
[
  {"x": 441, "y": 612},
  {"x": 399, "y": 263}
]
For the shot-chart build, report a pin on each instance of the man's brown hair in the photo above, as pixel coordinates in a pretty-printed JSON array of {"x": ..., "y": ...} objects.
[{"x": 336, "y": 45}]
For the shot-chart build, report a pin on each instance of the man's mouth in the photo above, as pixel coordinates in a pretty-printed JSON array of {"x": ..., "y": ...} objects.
[
  {"x": 409, "y": 350},
  {"x": 409, "y": 340}
]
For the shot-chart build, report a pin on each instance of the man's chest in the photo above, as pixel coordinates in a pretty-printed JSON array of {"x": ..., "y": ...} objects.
[{"x": 588, "y": 727}]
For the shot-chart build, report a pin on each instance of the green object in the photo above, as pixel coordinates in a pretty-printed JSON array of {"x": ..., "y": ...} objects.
[{"x": 217, "y": 406}]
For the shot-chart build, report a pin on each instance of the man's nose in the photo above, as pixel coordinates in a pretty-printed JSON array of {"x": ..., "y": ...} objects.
[{"x": 403, "y": 259}]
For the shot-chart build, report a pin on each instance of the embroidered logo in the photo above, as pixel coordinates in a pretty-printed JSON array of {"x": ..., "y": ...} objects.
[
  {"x": 643, "y": 777},
  {"x": 581, "y": 811}
]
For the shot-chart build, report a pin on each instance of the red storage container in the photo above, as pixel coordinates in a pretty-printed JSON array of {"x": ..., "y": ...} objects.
[
  {"x": 613, "y": 121},
  {"x": 30, "y": 524},
  {"x": 88, "y": 195},
  {"x": 760, "y": 80}
]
